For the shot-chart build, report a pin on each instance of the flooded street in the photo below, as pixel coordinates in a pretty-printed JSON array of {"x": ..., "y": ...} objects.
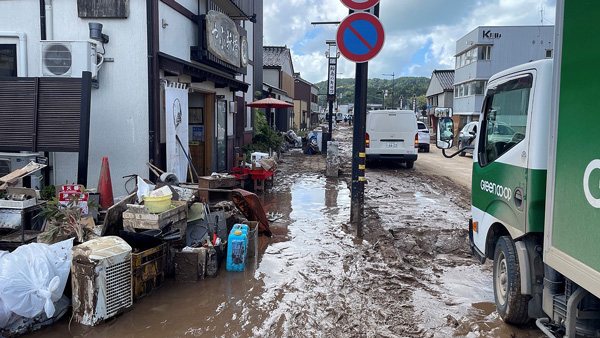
[{"x": 411, "y": 276}]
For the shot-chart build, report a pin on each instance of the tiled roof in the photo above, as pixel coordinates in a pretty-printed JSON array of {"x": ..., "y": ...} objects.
[
  {"x": 446, "y": 78},
  {"x": 275, "y": 55}
]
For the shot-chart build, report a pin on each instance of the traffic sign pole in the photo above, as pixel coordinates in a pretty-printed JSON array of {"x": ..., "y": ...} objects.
[{"x": 358, "y": 146}]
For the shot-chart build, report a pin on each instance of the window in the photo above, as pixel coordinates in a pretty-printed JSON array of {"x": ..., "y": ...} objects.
[
  {"x": 469, "y": 88},
  {"x": 548, "y": 53},
  {"x": 484, "y": 52},
  {"x": 8, "y": 60},
  {"x": 505, "y": 118}
]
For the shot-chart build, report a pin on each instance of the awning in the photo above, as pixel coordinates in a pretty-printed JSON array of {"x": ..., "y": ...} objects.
[{"x": 200, "y": 73}]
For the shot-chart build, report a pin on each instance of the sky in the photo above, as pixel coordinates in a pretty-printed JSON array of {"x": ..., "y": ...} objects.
[{"x": 420, "y": 35}]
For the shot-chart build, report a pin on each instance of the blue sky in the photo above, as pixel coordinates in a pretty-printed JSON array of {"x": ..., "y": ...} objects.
[{"x": 420, "y": 35}]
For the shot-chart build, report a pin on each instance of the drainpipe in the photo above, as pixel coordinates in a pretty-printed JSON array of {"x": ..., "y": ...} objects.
[
  {"x": 21, "y": 53},
  {"x": 43, "y": 19},
  {"x": 49, "y": 20}
]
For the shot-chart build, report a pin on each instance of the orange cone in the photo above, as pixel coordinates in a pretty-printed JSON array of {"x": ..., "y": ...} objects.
[{"x": 105, "y": 186}]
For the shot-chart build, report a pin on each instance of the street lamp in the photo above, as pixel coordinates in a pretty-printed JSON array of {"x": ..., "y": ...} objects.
[{"x": 393, "y": 85}]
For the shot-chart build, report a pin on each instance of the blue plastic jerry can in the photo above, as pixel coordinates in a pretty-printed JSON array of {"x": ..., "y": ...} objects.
[{"x": 237, "y": 245}]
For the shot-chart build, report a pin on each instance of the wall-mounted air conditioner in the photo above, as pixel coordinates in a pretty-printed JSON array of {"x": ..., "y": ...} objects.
[{"x": 68, "y": 58}]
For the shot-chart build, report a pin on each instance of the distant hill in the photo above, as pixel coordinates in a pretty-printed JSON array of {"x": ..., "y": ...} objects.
[{"x": 404, "y": 86}]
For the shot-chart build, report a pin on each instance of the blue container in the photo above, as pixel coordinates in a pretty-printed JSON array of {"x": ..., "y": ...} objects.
[
  {"x": 243, "y": 227},
  {"x": 237, "y": 245}
]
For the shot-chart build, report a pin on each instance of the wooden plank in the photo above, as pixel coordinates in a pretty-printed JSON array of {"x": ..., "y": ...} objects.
[{"x": 16, "y": 175}]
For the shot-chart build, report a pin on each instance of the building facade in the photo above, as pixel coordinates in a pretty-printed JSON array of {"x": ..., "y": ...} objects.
[
  {"x": 490, "y": 49},
  {"x": 209, "y": 52},
  {"x": 278, "y": 77},
  {"x": 305, "y": 103},
  {"x": 439, "y": 93}
]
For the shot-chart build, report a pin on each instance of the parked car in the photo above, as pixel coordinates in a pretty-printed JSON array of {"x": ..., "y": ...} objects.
[
  {"x": 466, "y": 137},
  {"x": 424, "y": 138},
  {"x": 392, "y": 136}
]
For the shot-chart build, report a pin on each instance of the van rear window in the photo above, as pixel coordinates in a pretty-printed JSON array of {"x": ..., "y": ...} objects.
[{"x": 390, "y": 122}]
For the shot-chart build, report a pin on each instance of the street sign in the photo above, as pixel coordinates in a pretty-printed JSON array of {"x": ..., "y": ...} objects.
[
  {"x": 331, "y": 80},
  {"x": 360, "y": 37},
  {"x": 360, "y": 4}
]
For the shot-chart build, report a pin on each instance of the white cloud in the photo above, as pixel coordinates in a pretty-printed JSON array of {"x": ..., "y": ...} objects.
[{"x": 420, "y": 35}]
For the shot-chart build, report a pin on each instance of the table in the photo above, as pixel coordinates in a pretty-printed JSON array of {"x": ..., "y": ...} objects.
[
  {"x": 260, "y": 177},
  {"x": 211, "y": 182}
]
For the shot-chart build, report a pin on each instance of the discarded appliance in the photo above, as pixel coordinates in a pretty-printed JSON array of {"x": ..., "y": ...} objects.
[
  {"x": 190, "y": 264},
  {"x": 101, "y": 280}
]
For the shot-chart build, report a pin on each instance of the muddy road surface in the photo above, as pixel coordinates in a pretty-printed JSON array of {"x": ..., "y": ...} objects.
[{"x": 410, "y": 276}]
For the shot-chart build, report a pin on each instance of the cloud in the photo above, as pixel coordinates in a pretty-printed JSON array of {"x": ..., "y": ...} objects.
[{"x": 420, "y": 35}]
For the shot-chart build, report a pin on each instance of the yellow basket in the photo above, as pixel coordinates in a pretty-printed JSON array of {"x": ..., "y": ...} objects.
[{"x": 156, "y": 205}]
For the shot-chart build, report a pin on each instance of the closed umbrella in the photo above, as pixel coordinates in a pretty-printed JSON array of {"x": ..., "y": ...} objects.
[{"x": 269, "y": 103}]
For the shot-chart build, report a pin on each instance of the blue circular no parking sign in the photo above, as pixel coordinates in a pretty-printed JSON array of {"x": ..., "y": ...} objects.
[{"x": 360, "y": 37}]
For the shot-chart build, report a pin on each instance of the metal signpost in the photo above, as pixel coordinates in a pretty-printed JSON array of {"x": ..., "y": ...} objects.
[
  {"x": 360, "y": 38},
  {"x": 331, "y": 88}
]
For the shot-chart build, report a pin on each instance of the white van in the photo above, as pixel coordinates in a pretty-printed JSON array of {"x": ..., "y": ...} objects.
[{"x": 392, "y": 135}]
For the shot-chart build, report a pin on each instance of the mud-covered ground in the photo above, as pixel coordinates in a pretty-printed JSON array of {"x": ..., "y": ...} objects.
[{"x": 410, "y": 276}]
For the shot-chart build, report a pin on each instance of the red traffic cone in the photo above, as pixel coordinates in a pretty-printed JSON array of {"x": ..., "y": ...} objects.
[{"x": 105, "y": 186}]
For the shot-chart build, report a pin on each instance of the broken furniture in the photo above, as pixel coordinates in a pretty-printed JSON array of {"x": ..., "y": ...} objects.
[{"x": 215, "y": 182}]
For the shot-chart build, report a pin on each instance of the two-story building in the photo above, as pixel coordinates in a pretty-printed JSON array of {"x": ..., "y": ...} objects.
[
  {"x": 278, "y": 77},
  {"x": 439, "y": 93},
  {"x": 490, "y": 49},
  {"x": 166, "y": 72},
  {"x": 305, "y": 103}
]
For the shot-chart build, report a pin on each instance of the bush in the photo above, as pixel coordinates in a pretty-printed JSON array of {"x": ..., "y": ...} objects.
[{"x": 263, "y": 139}]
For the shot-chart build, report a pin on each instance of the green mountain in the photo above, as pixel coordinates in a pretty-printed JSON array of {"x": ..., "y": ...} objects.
[{"x": 405, "y": 87}]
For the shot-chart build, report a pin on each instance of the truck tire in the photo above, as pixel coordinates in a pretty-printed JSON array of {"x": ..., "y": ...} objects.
[{"x": 511, "y": 304}]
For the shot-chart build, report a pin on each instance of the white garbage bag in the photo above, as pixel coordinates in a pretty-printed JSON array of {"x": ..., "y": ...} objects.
[{"x": 34, "y": 276}]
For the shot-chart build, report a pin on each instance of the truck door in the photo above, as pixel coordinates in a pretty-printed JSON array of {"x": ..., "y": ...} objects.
[{"x": 500, "y": 158}]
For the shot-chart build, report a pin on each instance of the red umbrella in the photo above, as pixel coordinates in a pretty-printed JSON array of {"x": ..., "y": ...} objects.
[{"x": 269, "y": 103}]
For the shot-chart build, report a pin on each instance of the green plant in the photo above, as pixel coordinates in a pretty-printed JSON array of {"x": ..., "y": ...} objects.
[
  {"x": 263, "y": 139},
  {"x": 64, "y": 221},
  {"x": 48, "y": 192}
]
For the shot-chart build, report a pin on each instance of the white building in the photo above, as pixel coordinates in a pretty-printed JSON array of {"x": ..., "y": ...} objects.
[
  {"x": 208, "y": 48},
  {"x": 487, "y": 50}
]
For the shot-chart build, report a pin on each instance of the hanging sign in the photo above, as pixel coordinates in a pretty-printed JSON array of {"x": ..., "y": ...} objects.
[{"x": 223, "y": 39}]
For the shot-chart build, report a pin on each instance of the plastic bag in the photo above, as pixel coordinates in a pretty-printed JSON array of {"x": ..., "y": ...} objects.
[{"x": 34, "y": 276}]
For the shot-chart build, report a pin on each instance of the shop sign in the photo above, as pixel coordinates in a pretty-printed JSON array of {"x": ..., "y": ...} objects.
[{"x": 223, "y": 38}]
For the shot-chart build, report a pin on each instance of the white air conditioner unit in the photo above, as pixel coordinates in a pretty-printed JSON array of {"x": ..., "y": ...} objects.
[
  {"x": 101, "y": 279},
  {"x": 10, "y": 162},
  {"x": 68, "y": 58}
]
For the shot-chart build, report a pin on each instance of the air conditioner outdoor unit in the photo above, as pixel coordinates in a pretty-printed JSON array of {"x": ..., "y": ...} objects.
[
  {"x": 68, "y": 58},
  {"x": 101, "y": 279}
]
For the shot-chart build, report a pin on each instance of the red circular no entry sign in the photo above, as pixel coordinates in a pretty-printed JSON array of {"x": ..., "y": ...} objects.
[
  {"x": 359, "y": 5},
  {"x": 360, "y": 37}
]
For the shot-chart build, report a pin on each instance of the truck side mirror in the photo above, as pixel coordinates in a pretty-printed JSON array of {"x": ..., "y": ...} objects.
[{"x": 445, "y": 133}]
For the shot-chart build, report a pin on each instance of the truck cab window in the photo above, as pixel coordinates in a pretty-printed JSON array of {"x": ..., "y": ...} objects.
[{"x": 505, "y": 118}]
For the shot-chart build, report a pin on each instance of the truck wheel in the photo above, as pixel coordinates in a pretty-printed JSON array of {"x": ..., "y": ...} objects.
[
  {"x": 511, "y": 304},
  {"x": 410, "y": 164}
]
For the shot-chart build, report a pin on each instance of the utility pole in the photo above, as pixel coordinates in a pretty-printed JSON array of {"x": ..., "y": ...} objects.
[{"x": 393, "y": 86}]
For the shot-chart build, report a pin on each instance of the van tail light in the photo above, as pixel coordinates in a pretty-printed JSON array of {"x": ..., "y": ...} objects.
[
  {"x": 417, "y": 141},
  {"x": 367, "y": 141}
]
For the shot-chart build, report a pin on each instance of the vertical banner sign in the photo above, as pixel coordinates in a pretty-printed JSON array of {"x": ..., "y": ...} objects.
[
  {"x": 331, "y": 76},
  {"x": 176, "y": 110}
]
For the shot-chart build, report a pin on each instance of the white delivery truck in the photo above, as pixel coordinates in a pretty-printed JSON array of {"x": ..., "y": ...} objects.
[{"x": 536, "y": 182}]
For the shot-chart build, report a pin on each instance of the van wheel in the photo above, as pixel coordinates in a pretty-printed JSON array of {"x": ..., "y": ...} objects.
[
  {"x": 410, "y": 164},
  {"x": 427, "y": 148},
  {"x": 511, "y": 304}
]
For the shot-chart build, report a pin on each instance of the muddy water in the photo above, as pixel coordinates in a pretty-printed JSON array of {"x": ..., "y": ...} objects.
[{"x": 286, "y": 289}]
